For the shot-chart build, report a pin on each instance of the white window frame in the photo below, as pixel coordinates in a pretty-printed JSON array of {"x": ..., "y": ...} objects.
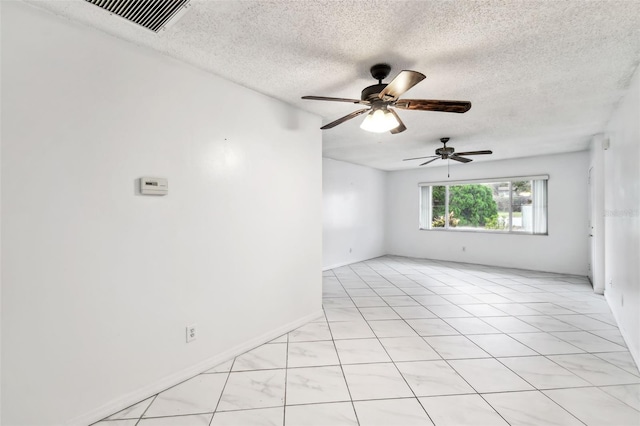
[{"x": 540, "y": 214}]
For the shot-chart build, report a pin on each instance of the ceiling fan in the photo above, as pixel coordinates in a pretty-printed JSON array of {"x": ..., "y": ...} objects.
[
  {"x": 447, "y": 152},
  {"x": 379, "y": 98}
]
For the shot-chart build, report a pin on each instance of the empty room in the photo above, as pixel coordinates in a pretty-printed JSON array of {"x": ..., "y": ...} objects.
[{"x": 325, "y": 213}]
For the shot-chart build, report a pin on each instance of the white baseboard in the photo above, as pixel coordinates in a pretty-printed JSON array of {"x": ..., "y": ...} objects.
[
  {"x": 633, "y": 350},
  {"x": 173, "y": 379},
  {"x": 351, "y": 262}
]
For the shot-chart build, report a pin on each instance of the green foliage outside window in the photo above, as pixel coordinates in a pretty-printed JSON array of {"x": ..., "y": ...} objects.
[
  {"x": 439, "y": 221},
  {"x": 472, "y": 205}
]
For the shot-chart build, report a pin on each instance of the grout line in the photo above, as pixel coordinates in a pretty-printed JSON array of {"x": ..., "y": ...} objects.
[
  {"x": 223, "y": 389},
  {"x": 146, "y": 409}
]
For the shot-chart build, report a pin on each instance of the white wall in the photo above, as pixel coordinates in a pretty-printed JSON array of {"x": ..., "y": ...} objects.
[
  {"x": 596, "y": 213},
  {"x": 622, "y": 216},
  {"x": 99, "y": 282},
  {"x": 564, "y": 250},
  {"x": 353, "y": 213}
]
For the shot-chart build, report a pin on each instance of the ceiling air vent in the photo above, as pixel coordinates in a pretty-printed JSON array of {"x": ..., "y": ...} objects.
[{"x": 151, "y": 14}]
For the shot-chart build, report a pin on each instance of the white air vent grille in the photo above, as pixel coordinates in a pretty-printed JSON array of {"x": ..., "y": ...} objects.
[{"x": 151, "y": 14}]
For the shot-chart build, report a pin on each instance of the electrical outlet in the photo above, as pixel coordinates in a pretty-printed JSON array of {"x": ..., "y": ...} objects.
[
  {"x": 192, "y": 332},
  {"x": 350, "y": 250},
  {"x": 464, "y": 248},
  {"x": 622, "y": 300}
]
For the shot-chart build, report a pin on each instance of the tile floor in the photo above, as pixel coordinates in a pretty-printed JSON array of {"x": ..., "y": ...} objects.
[{"x": 421, "y": 342}]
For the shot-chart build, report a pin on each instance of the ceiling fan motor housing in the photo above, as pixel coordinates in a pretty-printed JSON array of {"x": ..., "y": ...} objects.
[
  {"x": 445, "y": 151},
  {"x": 371, "y": 93}
]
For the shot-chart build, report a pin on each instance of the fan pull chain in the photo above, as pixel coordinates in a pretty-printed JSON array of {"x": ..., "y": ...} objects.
[{"x": 448, "y": 161}]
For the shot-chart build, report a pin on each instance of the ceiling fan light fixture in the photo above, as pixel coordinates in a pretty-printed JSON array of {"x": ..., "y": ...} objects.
[{"x": 379, "y": 120}]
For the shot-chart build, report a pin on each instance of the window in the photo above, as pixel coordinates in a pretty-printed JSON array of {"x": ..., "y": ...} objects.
[{"x": 497, "y": 205}]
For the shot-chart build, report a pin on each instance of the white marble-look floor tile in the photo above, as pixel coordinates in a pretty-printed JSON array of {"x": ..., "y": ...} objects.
[
  {"x": 400, "y": 301},
  {"x": 405, "y": 412},
  {"x": 489, "y": 375},
  {"x": 192, "y": 420},
  {"x": 333, "y": 291},
  {"x": 316, "y": 384},
  {"x": 606, "y": 318},
  {"x": 322, "y": 318},
  {"x": 585, "y": 306},
  {"x": 612, "y": 335},
  {"x": 549, "y": 308},
  {"x": 432, "y": 327},
  {"x": 584, "y": 322},
  {"x": 337, "y": 413},
  {"x": 413, "y": 312},
  {"x": 593, "y": 370},
  {"x": 500, "y": 345},
  {"x": 629, "y": 394},
  {"x": 224, "y": 367},
  {"x": 622, "y": 360},
  {"x": 471, "y": 325},
  {"x": 461, "y": 410},
  {"x": 351, "y": 330},
  {"x": 379, "y": 313},
  {"x": 418, "y": 290},
  {"x": 342, "y": 314},
  {"x": 530, "y": 409},
  {"x": 491, "y": 298},
  {"x": 510, "y": 325},
  {"x": 449, "y": 311},
  {"x": 392, "y": 328},
  {"x": 366, "y": 302},
  {"x": 409, "y": 349},
  {"x": 547, "y": 323},
  {"x": 263, "y": 357},
  {"x": 390, "y": 291},
  {"x": 313, "y": 331},
  {"x": 199, "y": 394},
  {"x": 543, "y": 373},
  {"x": 312, "y": 354},
  {"x": 253, "y": 389},
  {"x": 483, "y": 310},
  {"x": 595, "y": 407},
  {"x": 361, "y": 292},
  {"x": 431, "y": 300},
  {"x": 133, "y": 412},
  {"x": 360, "y": 351},
  {"x": 120, "y": 422},
  {"x": 338, "y": 302},
  {"x": 545, "y": 343},
  {"x": 257, "y": 417},
  {"x": 589, "y": 342},
  {"x": 515, "y": 309},
  {"x": 461, "y": 299},
  {"x": 431, "y": 378},
  {"x": 455, "y": 347},
  {"x": 375, "y": 381}
]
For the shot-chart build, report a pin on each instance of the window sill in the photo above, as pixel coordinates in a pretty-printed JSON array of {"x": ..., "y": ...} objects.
[{"x": 479, "y": 231}]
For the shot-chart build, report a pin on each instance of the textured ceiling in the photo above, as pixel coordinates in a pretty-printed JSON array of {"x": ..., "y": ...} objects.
[{"x": 543, "y": 76}]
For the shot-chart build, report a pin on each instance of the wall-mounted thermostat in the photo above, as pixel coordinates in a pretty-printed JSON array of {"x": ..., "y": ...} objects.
[{"x": 154, "y": 186}]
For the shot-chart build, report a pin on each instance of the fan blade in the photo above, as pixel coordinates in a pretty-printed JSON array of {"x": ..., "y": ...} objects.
[
  {"x": 474, "y": 152},
  {"x": 433, "y": 105},
  {"x": 345, "y": 118},
  {"x": 324, "y": 98},
  {"x": 401, "y": 127},
  {"x": 460, "y": 159},
  {"x": 420, "y": 158},
  {"x": 404, "y": 81},
  {"x": 430, "y": 161}
]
